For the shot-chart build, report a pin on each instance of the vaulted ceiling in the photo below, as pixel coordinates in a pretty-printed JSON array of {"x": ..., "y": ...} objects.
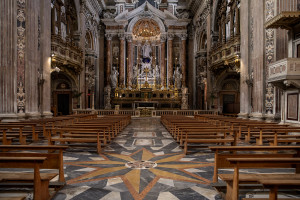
[{"x": 191, "y": 5}]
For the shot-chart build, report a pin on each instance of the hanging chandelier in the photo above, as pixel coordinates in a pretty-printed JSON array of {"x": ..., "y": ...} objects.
[{"x": 146, "y": 28}]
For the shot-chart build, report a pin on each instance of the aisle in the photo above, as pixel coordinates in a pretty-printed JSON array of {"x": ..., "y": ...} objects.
[{"x": 143, "y": 162}]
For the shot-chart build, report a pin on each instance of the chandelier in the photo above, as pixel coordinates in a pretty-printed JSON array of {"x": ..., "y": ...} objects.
[{"x": 146, "y": 28}]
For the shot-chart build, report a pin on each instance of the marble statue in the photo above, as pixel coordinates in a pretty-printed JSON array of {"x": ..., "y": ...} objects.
[
  {"x": 109, "y": 15},
  {"x": 177, "y": 78},
  {"x": 114, "y": 78},
  {"x": 135, "y": 74},
  {"x": 146, "y": 50},
  {"x": 156, "y": 74}
]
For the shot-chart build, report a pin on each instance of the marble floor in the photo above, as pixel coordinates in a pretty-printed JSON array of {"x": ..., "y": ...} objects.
[{"x": 143, "y": 162}]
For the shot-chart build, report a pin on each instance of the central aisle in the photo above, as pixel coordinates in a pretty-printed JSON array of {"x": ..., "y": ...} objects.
[{"x": 143, "y": 162}]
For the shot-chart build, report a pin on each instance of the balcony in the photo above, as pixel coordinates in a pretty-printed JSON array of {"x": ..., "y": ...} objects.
[
  {"x": 285, "y": 73},
  {"x": 225, "y": 54},
  {"x": 284, "y": 20},
  {"x": 66, "y": 53}
]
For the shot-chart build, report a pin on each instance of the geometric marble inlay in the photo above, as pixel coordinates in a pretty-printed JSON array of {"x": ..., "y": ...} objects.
[
  {"x": 141, "y": 164},
  {"x": 143, "y": 142},
  {"x": 144, "y": 134}
]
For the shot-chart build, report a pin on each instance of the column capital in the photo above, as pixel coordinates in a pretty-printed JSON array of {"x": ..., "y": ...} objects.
[
  {"x": 183, "y": 36},
  {"x": 129, "y": 38},
  {"x": 121, "y": 36},
  {"x": 170, "y": 36},
  {"x": 163, "y": 38},
  {"x": 108, "y": 36}
]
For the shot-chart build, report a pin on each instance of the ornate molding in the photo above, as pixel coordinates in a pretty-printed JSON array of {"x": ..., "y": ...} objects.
[
  {"x": 270, "y": 53},
  {"x": 21, "y": 42}
]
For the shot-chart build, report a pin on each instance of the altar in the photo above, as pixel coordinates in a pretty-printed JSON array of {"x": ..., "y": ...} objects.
[
  {"x": 145, "y": 104},
  {"x": 146, "y": 66}
]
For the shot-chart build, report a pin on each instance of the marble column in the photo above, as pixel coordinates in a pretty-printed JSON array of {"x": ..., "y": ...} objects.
[
  {"x": 82, "y": 81},
  {"x": 122, "y": 60},
  {"x": 237, "y": 20},
  {"x": 258, "y": 58},
  {"x": 183, "y": 58},
  {"x": 32, "y": 59},
  {"x": 108, "y": 58},
  {"x": 191, "y": 70},
  {"x": 101, "y": 65},
  {"x": 45, "y": 18},
  {"x": 8, "y": 59},
  {"x": 244, "y": 89},
  {"x": 162, "y": 60},
  {"x": 130, "y": 61},
  {"x": 170, "y": 59}
]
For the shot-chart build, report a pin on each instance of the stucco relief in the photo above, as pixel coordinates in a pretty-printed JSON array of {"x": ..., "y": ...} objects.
[
  {"x": 21, "y": 55},
  {"x": 270, "y": 52}
]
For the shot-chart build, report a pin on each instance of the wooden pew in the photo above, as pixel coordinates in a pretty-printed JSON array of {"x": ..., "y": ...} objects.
[
  {"x": 234, "y": 180},
  {"x": 224, "y": 139},
  {"x": 53, "y": 160},
  {"x": 41, "y": 181},
  {"x": 283, "y": 182},
  {"x": 222, "y": 153}
]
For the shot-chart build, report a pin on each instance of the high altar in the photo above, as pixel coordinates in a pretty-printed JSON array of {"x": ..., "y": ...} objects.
[{"x": 140, "y": 68}]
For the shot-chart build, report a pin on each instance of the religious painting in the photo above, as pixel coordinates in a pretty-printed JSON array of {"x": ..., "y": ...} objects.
[{"x": 292, "y": 106}]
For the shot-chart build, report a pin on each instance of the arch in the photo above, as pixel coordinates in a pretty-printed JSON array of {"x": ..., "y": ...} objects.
[
  {"x": 137, "y": 18},
  {"x": 89, "y": 41},
  {"x": 216, "y": 6}
]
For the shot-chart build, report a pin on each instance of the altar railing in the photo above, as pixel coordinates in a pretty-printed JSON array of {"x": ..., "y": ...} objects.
[{"x": 154, "y": 113}]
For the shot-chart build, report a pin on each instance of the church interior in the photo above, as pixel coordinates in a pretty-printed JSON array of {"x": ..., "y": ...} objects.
[{"x": 149, "y": 99}]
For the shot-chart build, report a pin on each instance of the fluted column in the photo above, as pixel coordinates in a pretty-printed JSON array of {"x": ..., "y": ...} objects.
[
  {"x": 45, "y": 58},
  {"x": 108, "y": 58},
  {"x": 122, "y": 59},
  {"x": 183, "y": 59},
  {"x": 129, "y": 64},
  {"x": 8, "y": 59},
  {"x": 162, "y": 60},
  {"x": 170, "y": 59},
  {"x": 244, "y": 88},
  {"x": 32, "y": 61}
]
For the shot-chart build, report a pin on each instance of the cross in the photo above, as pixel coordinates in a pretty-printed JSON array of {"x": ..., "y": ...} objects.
[{"x": 146, "y": 70}]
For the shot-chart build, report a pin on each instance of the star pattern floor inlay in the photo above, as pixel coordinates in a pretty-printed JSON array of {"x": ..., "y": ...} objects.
[{"x": 126, "y": 170}]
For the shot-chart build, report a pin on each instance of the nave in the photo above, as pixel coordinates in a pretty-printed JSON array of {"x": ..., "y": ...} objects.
[{"x": 116, "y": 174}]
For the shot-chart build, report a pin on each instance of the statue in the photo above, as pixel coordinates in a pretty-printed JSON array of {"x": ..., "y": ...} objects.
[
  {"x": 114, "y": 78},
  {"x": 109, "y": 15},
  {"x": 156, "y": 74},
  {"x": 146, "y": 50},
  {"x": 116, "y": 51},
  {"x": 183, "y": 15},
  {"x": 177, "y": 78},
  {"x": 135, "y": 74}
]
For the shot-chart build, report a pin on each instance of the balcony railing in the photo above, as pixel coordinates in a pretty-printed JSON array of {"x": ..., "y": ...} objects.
[
  {"x": 225, "y": 53},
  {"x": 66, "y": 52},
  {"x": 284, "y": 70}
]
